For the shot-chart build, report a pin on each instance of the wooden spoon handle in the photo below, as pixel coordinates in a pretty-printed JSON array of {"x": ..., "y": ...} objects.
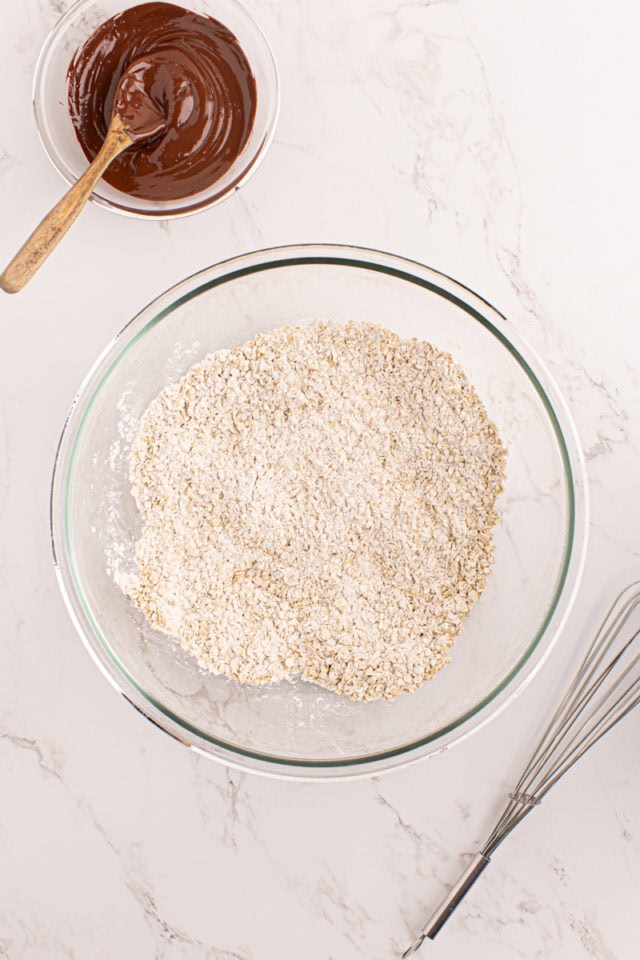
[{"x": 52, "y": 229}]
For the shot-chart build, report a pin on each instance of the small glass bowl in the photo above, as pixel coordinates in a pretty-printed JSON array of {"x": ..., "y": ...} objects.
[
  {"x": 50, "y": 101},
  {"x": 297, "y": 728}
]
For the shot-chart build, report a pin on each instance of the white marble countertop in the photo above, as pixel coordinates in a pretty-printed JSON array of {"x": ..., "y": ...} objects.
[{"x": 497, "y": 142}]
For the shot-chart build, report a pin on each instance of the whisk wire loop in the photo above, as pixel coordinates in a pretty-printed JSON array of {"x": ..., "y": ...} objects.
[{"x": 604, "y": 690}]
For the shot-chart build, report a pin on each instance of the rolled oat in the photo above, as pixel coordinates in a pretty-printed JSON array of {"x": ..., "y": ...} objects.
[{"x": 317, "y": 502}]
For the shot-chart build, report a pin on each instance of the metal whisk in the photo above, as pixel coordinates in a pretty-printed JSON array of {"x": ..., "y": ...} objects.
[{"x": 604, "y": 690}]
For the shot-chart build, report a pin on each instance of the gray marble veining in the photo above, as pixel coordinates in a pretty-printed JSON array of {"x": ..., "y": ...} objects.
[{"x": 476, "y": 139}]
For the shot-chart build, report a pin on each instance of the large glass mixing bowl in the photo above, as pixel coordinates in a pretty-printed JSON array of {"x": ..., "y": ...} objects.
[{"x": 299, "y": 729}]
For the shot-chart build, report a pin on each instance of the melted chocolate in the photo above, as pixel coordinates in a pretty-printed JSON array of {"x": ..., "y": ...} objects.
[
  {"x": 196, "y": 74},
  {"x": 141, "y": 116}
]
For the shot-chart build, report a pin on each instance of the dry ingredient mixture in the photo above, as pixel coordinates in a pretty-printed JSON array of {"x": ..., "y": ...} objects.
[{"x": 318, "y": 502}]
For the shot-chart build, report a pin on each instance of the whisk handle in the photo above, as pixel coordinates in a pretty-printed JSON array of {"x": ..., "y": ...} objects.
[
  {"x": 453, "y": 897},
  {"x": 457, "y": 893}
]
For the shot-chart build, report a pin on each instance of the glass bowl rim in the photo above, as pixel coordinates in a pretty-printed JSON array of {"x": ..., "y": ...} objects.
[
  {"x": 569, "y": 449},
  {"x": 181, "y": 207}
]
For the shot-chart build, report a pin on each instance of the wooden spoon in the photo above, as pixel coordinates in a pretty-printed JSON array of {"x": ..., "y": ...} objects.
[{"x": 136, "y": 117}]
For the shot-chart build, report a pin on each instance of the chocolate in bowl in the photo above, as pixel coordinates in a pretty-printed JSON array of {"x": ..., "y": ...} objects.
[
  {"x": 58, "y": 134},
  {"x": 194, "y": 69}
]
